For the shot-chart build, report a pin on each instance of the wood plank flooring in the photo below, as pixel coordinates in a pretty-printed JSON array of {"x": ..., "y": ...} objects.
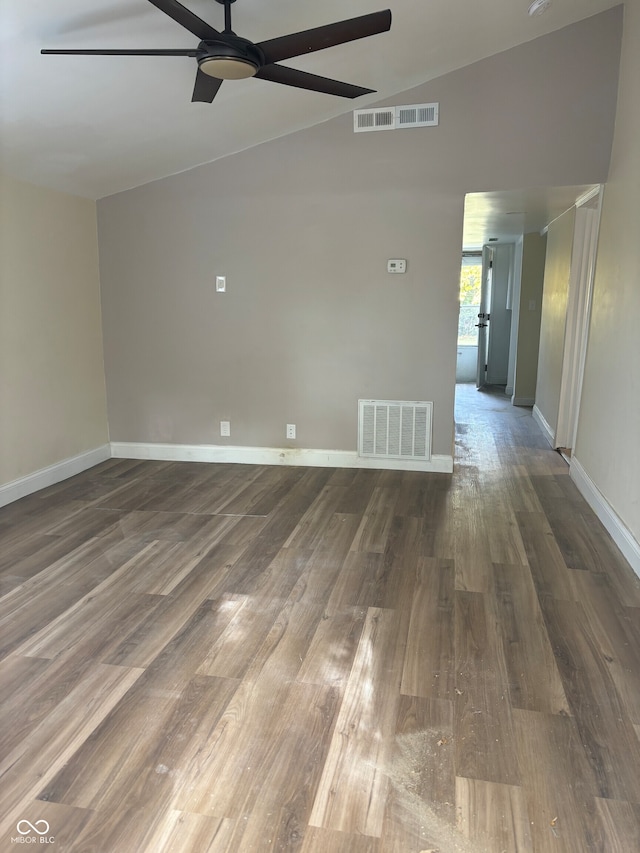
[{"x": 240, "y": 658}]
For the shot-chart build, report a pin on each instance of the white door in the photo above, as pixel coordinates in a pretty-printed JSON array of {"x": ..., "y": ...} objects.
[{"x": 483, "y": 317}]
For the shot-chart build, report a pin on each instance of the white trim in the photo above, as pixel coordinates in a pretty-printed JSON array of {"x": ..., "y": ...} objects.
[
  {"x": 586, "y": 319},
  {"x": 576, "y": 336},
  {"x": 52, "y": 474},
  {"x": 579, "y": 202},
  {"x": 616, "y": 528},
  {"x": 540, "y": 419},
  {"x": 274, "y": 456},
  {"x": 585, "y": 197},
  {"x": 523, "y": 401}
]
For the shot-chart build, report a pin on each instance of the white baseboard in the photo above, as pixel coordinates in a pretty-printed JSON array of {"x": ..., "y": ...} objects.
[
  {"x": 616, "y": 528},
  {"x": 549, "y": 434},
  {"x": 523, "y": 401},
  {"x": 52, "y": 474},
  {"x": 273, "y": 456}
]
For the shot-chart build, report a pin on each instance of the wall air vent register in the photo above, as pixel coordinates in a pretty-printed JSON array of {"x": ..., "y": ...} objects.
[
  {"x": 395, "y": 118},
  {"x": 394, "y": 429}
]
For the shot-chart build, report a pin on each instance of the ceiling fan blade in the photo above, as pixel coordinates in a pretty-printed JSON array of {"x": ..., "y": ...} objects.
[
  {"x": 117, "y": 52},
  {"x": 320, "y": 38},
  {"x": 186, "y": 19},
  {"x": 303, "y": 80},
  {"x": 206, "y": 88}
]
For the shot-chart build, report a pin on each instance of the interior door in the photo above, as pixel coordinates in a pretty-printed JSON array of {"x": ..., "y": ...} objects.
[{"x": 484, "y": 317}]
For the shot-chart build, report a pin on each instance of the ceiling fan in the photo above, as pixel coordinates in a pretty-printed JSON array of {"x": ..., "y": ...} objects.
[{"x": 227, "y": 56}]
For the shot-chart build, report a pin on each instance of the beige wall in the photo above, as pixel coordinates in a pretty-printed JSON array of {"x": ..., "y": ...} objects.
[
  {"x": 554, "y": 314},
  {"x": 530, "y": 311},
  {"x": 52, "y": 393},
  {"x": 609, "y": 423},
  {"x": 303, "y": 226}
]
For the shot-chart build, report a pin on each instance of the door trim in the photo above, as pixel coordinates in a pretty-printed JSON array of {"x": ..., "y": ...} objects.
[{"x": 583, "y": 257}]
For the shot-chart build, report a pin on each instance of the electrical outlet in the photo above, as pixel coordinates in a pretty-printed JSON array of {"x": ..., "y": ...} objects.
[
  {"x": 225, "y": 428},
  {"x": 291, "y": 430}
]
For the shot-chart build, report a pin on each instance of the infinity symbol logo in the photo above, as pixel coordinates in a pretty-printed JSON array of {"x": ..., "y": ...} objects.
[{"x": 33, "y": 827}]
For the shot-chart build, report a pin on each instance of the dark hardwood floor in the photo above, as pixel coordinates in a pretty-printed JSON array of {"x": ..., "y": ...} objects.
[{"x": 207, "y": 657}]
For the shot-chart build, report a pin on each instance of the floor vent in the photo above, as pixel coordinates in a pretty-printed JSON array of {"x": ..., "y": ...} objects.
[
  {"x": 394, "y": 429},
  {"x": 394, "y": 118}
]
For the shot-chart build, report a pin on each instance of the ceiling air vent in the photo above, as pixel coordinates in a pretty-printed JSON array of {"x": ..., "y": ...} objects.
[{"x": 394, "y": 118}]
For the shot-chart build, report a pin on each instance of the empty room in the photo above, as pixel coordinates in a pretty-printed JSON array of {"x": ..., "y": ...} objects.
[{"x": 273, "y": 576}]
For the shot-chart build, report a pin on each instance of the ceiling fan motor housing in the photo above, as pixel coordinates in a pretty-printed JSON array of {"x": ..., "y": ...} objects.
[{"x": 232, "y": 59}]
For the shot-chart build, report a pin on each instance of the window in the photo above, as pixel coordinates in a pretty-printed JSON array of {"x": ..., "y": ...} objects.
[{"x": 470, "y": 287}]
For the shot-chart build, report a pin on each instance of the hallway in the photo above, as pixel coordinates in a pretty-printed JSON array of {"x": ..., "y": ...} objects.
[{"x": 559, "y": 593}]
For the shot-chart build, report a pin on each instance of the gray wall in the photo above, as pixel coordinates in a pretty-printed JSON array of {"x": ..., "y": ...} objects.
[
  {"x": 529, "y": 313},
  {"x": 609, "y": 421},
  {"x": 302, "y": 228},
  {"x": 52, "y": 392}
]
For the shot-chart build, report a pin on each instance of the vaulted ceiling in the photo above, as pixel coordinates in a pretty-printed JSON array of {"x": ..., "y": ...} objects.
[{"x": 94, "y": 126}]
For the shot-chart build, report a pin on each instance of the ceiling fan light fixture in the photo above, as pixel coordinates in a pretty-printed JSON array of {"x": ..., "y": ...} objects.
[
  {"x": 228, "y": 67},
  {"x": 538, "y": 7}
]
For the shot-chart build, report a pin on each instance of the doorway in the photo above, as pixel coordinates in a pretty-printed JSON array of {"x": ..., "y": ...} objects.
[{"x": 470, "y": 293}]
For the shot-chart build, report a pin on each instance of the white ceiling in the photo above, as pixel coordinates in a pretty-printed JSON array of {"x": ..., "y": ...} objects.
[
  {"x": 94, "y": 126},
  {"x": 505, "y": 216}
]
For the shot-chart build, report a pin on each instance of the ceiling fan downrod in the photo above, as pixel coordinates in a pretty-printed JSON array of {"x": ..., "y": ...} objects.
[{"x": 227, "y": 16}]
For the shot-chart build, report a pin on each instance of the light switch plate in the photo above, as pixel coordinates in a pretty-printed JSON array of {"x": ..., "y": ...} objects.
[{"x": 221, "y": 283}]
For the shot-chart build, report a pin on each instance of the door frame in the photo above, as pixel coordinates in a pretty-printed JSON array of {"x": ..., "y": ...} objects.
[{"x": 583, "y": 261}]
